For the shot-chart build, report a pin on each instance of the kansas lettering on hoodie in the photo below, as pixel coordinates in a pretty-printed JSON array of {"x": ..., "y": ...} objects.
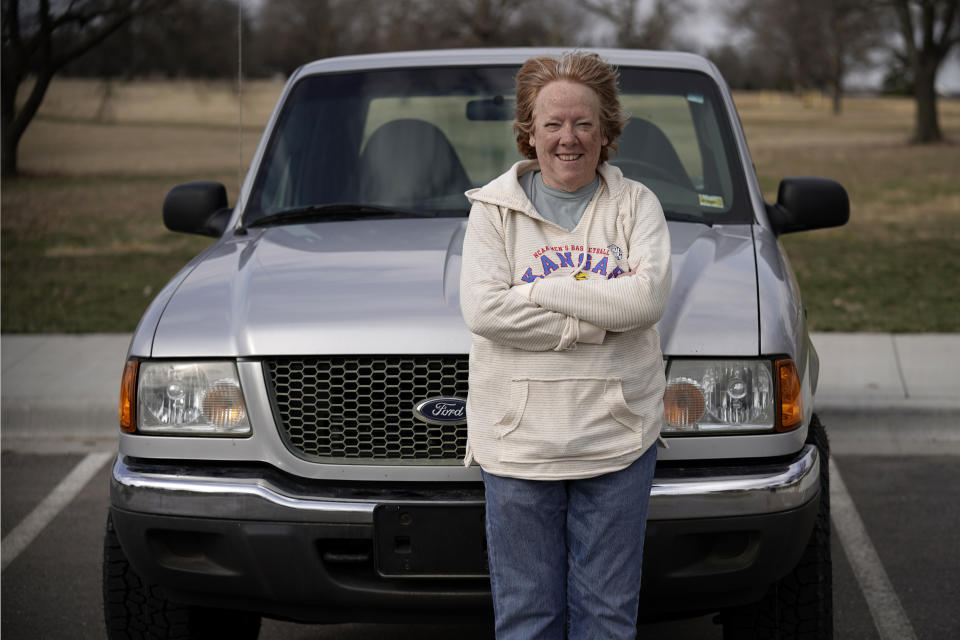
[{"x": 566, "y": 372}]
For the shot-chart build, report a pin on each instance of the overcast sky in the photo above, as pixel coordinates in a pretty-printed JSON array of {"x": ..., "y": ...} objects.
[{"x": 706, "y": 28}]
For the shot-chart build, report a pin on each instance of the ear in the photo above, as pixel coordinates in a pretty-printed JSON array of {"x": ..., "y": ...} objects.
[
  {"x": 532, "y": 142},
  {"x": 605, "y": 140}
]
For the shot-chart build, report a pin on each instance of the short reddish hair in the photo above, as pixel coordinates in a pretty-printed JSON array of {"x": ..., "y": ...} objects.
[{"x": 581, "y": 67}]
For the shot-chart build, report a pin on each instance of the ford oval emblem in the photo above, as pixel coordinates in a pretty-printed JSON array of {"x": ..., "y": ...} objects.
[{"x": 442, "y": 410}]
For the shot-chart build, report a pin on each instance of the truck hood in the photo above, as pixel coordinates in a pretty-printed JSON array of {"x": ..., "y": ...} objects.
[
  {"x": 713, "y": 306},
  {"x": 392, "y": 286}
]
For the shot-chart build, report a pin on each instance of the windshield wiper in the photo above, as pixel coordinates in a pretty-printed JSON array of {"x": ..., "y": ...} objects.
[
  {"x": 339, "y": 211},
  {"x": 687, "y": 217},
  {"x": 344, "y": 211}
]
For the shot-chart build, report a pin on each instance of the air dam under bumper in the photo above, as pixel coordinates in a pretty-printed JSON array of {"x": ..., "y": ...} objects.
[{"x": 257, "y": 539}]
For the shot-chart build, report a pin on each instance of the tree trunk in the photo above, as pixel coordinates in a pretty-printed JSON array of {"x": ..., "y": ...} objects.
[
  {"x": 8, "y": 161},
  {"x": 15, "y": 122},
  {"x": 37, "y": 56},
  {"x": 927, "y": 126},
  {"x": 836, "y": 94},
  {"x": 838, "y": 54}
]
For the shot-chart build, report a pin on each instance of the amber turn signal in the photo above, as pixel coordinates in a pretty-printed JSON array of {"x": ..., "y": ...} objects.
[
  {"x": 790, "y": 415},
  {"x": 683, "y": 403},
  {"x": 128, "y": 397}
]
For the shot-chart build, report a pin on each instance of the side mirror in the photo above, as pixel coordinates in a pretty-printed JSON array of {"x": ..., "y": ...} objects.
[
  {"x": 805, "y": 203},
  {"x": 197, "y": 207}
]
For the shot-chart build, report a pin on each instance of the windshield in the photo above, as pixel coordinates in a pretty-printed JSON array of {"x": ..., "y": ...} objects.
[{"x": 416, "y": 139}]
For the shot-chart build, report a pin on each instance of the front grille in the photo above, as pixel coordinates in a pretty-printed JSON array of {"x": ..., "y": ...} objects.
[{"x": 360, "y": 408}]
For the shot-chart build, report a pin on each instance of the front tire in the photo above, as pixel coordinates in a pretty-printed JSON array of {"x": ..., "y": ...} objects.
[
  {"x": 800, "y": 605},
  {"x": 136, "y": 610}
]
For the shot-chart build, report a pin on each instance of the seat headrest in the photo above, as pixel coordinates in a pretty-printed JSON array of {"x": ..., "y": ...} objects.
[{"x": 409, "y": 161}]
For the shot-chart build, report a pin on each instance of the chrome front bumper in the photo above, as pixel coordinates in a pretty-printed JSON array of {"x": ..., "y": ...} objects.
[{"x": 245, "y": 493}]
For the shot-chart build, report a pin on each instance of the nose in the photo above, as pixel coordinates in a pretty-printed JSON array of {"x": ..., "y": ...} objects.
[{"x": 568, "y": 134}]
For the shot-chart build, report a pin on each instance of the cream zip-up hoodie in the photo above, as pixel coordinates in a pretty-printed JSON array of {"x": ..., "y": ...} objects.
[{"x": 566, "y": 373}]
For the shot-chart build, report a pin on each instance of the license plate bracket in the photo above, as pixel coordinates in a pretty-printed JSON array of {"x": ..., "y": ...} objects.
[{"x": 430, "y": 541}]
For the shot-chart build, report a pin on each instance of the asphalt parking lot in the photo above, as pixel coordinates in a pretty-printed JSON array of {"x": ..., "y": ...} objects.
[
  {"x": 896, "y": 535},
  {"x": 905, "y": 490}
]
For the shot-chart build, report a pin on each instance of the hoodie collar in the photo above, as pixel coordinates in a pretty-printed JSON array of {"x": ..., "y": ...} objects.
[{"x": 505, "y": 190}]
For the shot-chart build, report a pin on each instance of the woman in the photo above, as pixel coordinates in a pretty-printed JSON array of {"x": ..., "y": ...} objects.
[{"x": 566, "y": 269}]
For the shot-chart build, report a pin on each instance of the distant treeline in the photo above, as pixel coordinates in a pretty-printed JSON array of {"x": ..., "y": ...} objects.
[{"x": 774, "y": 44}]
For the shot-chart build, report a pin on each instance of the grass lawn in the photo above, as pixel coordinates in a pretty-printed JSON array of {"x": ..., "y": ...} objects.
[
  {"x": 83, "y": 244},
  {"x": 84, "y": 248},
  {"x": 896, "y": 265}
]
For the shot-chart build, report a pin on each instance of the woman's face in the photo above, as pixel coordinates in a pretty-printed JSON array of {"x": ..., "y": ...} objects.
[{"x": 566, "y": 134}]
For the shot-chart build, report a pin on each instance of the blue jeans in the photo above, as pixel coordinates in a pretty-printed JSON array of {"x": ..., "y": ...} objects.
[{"x": 566, "y": 555}]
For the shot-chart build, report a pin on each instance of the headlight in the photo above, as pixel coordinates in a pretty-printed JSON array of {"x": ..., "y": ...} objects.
[
  {"x": 190, "y": 398},
  {"x": 730, "y": 396}
]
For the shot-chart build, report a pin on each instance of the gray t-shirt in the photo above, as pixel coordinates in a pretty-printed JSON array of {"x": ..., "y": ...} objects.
[{"x": 563, "y": 208}]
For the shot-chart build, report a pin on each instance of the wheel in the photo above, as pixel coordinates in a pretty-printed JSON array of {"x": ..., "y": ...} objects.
[
  {"x": 800, "y": 605},
  {"x": 136, "y": 610}
]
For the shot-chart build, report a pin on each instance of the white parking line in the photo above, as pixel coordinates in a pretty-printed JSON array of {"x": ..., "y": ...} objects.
[
  {"x": 888, "y": 615},
  {"x": 23, "y": 534}
]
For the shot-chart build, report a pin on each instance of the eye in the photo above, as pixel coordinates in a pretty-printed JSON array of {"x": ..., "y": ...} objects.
[{"x": 552, "y": 126}]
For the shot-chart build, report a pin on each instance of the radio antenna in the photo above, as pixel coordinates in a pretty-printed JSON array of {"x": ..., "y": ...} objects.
[{"x": 239, "y": 96}]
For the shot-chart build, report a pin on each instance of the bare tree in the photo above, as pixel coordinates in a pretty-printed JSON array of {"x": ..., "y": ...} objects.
[
  {"x": 478, "y": 23},
  {"x": 501, "y": 22},
  {"x": 41, "y": 43},
  {"x": 786, "y": 37},
  {"x": 812, "y": 44},
  {"x": 851, "y": 29},
  {"x": 291, "y": 32},
  {"x": 636, "y": 31},
  {"x": 180, "y": 39},
  {"x": 929, "y": 28}
]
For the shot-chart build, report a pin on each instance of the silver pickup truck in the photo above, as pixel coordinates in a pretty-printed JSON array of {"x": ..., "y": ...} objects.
[{"x": 292, "y": 425}]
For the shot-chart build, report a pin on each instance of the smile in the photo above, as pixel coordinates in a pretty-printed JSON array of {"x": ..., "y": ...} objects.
[{"x": 569, "y": 157}]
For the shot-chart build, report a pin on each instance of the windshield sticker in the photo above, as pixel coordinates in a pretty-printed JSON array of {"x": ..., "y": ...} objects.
[
  {"x": 710, "y": 201},
  {"x": 695, "y": 97}
]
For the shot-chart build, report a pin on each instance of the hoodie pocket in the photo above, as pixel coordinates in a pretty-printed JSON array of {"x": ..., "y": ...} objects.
[{"x": 556, "y": 419}]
